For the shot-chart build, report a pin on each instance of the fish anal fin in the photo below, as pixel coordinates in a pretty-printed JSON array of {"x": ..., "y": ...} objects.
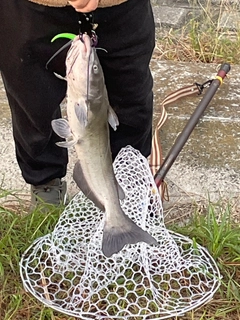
[
  {"x": 116, "y": 237},
  {"x": 82, "y": 183}
]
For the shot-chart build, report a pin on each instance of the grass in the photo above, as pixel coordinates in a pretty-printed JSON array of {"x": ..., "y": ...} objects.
[
  {"x": 18, "y": 230},
  {"x": 216, "y": 227},
  {"x": 213, "y": 227},
  {"x": 204, "y": 38}
]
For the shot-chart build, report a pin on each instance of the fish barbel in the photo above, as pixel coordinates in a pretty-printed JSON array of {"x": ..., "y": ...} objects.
[{"x": 89, "y": 113}]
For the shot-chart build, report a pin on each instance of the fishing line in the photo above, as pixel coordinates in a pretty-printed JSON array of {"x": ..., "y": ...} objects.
[{"x": 70, "y": 36}]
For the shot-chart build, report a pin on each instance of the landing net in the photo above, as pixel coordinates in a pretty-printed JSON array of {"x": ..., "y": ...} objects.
[{"x": 67, "y": 271}]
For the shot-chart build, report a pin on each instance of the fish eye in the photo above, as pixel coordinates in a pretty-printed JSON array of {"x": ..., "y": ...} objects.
[{"x": 95, "y": 68}]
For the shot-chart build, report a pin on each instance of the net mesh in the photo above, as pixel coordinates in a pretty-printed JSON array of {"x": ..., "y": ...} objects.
[{"x": 67, "y": 270}]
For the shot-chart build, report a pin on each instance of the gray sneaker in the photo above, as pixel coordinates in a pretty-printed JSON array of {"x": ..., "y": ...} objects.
[{"x": 53, "y": 192}]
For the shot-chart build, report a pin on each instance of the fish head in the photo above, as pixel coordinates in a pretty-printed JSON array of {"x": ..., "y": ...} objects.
[{"x": 84, "y": 72}]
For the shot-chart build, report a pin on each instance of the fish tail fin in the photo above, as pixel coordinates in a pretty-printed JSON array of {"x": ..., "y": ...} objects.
[{"x": 117, "y": 236}]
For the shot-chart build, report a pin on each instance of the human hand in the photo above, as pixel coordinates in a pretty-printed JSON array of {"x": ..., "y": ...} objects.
[{"x": 84, "y": 5}]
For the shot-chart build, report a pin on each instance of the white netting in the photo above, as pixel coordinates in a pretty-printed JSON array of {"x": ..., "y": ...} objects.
[{"x": 67, "y": 270}]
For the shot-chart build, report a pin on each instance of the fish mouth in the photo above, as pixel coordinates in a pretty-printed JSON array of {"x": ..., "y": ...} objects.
[{"x": 86, "y": 40}]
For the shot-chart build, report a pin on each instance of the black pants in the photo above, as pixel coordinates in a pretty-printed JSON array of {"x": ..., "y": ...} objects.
[{"x": 34, "y": 93}]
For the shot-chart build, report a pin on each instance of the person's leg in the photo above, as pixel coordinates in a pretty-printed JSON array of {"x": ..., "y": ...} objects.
[
  {"x": 34, "y": 93},
  {"x": 127, "y": 32}
]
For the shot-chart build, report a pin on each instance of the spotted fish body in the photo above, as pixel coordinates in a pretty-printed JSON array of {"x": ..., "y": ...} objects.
[{"x": 89, "y": 113}]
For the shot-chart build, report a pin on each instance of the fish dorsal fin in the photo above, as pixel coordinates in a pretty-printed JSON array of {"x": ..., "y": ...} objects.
[
  {"x": 61, "y": 128},
  {"x": 82, "y": 183},
  {"x": 112, "y": 118},
  {"x": 63, "y": 104},
  {"x": 81, "y": 113}
]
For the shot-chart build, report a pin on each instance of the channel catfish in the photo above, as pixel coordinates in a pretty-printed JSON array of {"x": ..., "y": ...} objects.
[{"x": 89, "y": 114}]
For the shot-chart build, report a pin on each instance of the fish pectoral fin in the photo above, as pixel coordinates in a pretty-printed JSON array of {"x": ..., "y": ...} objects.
[
  {"x": 81, "y": 113},
  {"x": 115, "y": 237},
  {"x": 83, "y": 184},
  {"x": 112, "y": 118},
  {"x": 67, "y": 144},
  {"x": 61, "y": 128}
]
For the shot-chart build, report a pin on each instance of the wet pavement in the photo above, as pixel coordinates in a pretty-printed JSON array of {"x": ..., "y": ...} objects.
[
  {"x": 209, "y": 164},
  {"x": 216, "y": 140},
  {"x": 177, "y": 13}
]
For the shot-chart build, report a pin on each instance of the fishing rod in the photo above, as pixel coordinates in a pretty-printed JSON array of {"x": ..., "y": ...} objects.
[{"x": 191, "y": 124}]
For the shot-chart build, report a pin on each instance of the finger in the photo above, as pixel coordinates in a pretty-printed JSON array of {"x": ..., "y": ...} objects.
[{"x": 80, "y": 7}]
